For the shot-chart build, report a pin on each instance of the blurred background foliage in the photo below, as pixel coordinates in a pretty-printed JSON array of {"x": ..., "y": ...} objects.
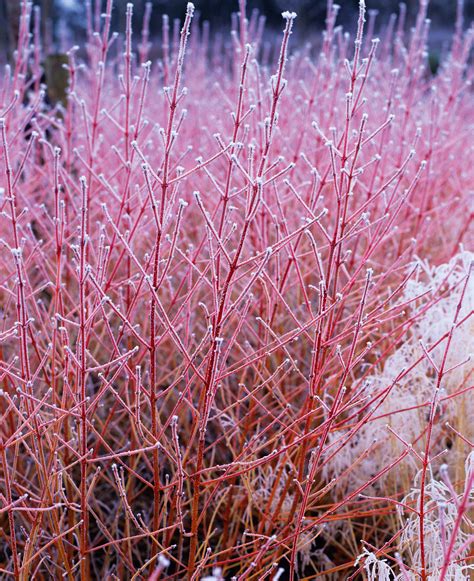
[{"x": 59, "y": 16}]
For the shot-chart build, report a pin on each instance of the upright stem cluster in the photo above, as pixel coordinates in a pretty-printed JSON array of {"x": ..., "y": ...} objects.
[{"x": 235, "y": 303}]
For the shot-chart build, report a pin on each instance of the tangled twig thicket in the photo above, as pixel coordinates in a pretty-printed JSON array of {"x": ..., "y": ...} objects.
[{"x": 236, "y": 304}]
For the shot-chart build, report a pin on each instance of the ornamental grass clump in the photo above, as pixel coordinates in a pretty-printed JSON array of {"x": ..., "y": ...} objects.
[{"x": 236, "y": 298}]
